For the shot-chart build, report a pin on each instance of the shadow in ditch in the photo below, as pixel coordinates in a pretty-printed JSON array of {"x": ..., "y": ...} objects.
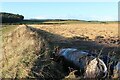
[{"x": 45, "y": 68}]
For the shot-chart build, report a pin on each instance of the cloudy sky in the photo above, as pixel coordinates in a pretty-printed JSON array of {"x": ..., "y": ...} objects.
[{"x": 102, "y": 11}]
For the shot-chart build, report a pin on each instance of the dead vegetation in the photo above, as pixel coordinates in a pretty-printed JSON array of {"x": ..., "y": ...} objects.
[
  {"x": 20, "y": 49},
  {"x": 28, "y": 50},
  {"x": 27, "y": 55},
  {"x": 84, "y": 29},
  {"x": 84, "y": 36}
]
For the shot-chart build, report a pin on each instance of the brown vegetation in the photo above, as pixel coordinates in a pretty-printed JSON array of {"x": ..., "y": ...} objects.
[
  {"x": 26, "y": 55},
  {"x": 84, "y": 35},
  {"x": 28, "y": 49}
]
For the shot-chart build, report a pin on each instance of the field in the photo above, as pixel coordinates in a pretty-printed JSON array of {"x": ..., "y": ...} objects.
[
  {"x": 27, "y": 49},
  {"x": 82, "y": 35},
  {"x": 84, "y": 29}
]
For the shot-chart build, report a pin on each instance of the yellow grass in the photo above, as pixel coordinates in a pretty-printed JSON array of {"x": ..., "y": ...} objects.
[
  {"x": 84, "y": 29},
  {"x": 19, "y": 46}
]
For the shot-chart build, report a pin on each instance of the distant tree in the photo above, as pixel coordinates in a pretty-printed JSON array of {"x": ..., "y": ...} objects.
[{"x": 10, "y": 18}]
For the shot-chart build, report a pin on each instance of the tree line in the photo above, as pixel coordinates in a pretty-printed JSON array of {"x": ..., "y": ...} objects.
[{"x": 11, "y": 18}]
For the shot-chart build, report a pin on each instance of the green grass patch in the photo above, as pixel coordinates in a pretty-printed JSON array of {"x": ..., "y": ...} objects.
[
  {"x": 60, "y": 21},
  {"x": 7, "y": 28}
]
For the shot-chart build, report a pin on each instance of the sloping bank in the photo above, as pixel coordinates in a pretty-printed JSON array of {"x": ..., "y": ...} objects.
[{"x": 27, "y": 55}]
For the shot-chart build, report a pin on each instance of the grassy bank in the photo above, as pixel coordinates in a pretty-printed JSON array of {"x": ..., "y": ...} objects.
[{"x": 27, "y": 54}]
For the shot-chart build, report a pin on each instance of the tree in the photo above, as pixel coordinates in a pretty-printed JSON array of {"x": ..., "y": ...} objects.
[{"x": 10, "y": 18}]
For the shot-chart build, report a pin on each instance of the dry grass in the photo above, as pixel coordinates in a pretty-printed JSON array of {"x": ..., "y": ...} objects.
[
  {"x": 27, "y": 55},
  {"x": 20, "y": 48},
  {"x": 86, "y": 29},
  {"x": 23, "y": 47},
  {"x": 108, "y": 34}
]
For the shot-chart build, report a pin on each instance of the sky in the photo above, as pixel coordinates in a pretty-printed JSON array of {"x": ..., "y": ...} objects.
[{"x": 101, "y": 11}]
